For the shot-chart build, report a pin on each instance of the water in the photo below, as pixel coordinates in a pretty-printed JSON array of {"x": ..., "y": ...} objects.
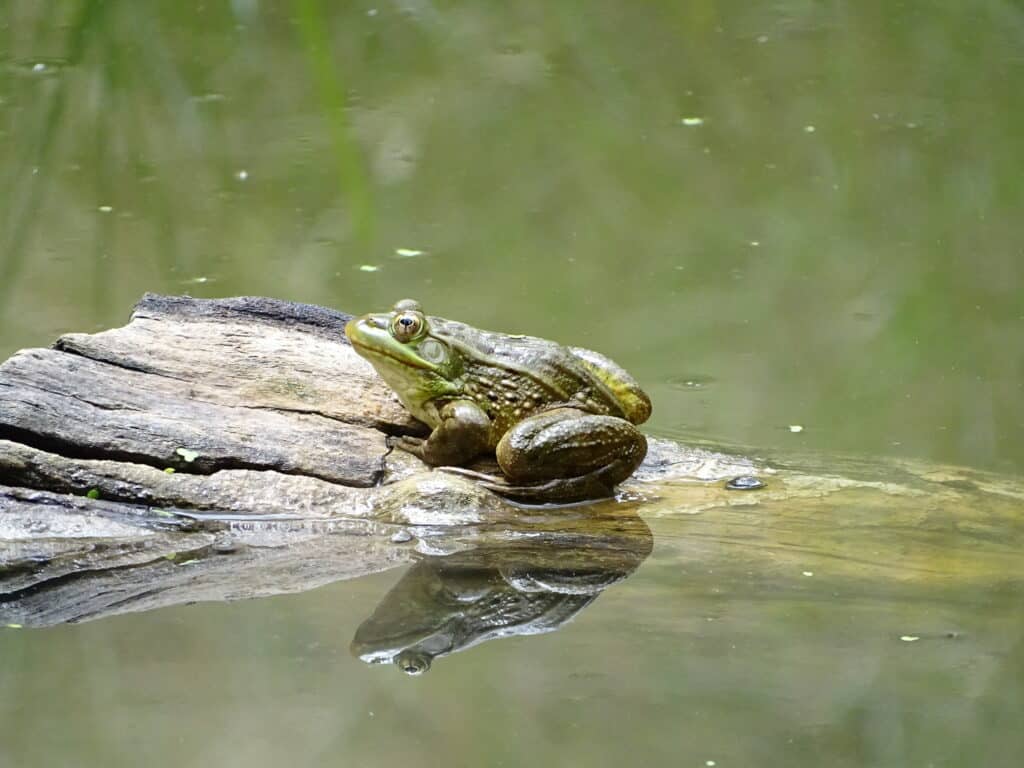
[{"x": 774, "y": 215}]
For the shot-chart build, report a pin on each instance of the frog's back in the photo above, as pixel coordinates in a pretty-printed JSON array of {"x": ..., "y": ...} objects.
[{"x": 527, "y": 373}]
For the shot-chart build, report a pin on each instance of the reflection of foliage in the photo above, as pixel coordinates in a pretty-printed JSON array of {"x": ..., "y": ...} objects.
[
  {"x": 332, "y": 97},
  {"x": 28, "y": 176},
  {"x": 124, "y": 120}
]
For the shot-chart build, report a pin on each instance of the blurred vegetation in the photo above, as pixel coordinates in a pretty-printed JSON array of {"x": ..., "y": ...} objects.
[{"x": 835, "y": 243}]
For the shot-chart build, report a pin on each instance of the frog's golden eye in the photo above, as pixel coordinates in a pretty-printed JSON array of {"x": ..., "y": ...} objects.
[{"x": 406, "y": 326}]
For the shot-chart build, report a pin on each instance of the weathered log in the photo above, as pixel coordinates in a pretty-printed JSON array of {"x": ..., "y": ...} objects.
[
  {"x": 220, "y": 449},
  {"x": 211, "y": 389}
]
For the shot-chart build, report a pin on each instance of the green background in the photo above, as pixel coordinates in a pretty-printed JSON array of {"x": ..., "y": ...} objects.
[{"x": 773, "y": 214}]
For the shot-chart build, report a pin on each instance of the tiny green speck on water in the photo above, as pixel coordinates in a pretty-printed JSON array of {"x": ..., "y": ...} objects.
[
  {"x": 169, "y": 470},
  {"x": 93, "y": 493}
]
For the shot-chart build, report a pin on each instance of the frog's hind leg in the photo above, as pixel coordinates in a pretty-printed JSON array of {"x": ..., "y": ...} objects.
[{"x": 565, "y": 455}]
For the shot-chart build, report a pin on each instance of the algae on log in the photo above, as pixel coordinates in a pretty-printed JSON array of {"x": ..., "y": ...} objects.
[{"x": 220, "y": 449}]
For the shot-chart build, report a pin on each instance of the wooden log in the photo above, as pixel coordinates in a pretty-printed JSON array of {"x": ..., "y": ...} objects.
[{"x": 220, "y": 449}]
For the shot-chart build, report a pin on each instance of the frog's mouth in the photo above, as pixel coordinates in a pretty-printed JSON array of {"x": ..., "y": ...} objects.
[{"x": 370, "y": 335}]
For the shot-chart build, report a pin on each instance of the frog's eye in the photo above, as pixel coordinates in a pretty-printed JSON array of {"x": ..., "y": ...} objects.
[
  {"x": 433, "y": 351},
  {"x": 406, "y": 325}
]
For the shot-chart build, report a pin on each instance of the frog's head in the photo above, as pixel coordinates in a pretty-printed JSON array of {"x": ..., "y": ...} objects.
[{"x": 417, "y": 365}]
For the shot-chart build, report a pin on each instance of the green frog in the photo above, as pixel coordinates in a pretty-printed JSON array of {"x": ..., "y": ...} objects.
[{"x": 560, "y": 420}]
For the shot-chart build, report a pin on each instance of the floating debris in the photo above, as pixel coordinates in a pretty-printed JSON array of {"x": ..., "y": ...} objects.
[
  {"x": 92, "y": 493},
  {"x": 106, "y": 209},
  {"x": 409, "y": 253},
  {"x": 169, "y": 470},
  {"x": 13, "y": 626},
  {"x": 794, "y": 428},
  {"x": 242, "y": 175},
  {"x": 692, "y": 122},
  {"x": 744, "y": 483},
  {"x": 909, "y": 638},
  {"x": 809, "y": 129},
  {"x": 808, "y": 573},
  {"x": 691, "y": 382},
  {"x": 368, "y": 268}
]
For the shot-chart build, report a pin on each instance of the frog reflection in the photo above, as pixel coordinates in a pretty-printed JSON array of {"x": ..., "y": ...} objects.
[{"x": 444, "y": 605}]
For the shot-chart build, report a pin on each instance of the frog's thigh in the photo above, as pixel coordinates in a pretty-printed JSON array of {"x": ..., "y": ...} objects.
[{"x": 566, "y": 442}]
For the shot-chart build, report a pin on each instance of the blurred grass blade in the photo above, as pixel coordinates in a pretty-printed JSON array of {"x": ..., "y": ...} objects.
[
  {"x": 330, "y": 89},
  {"x": 31, "y": 178}
]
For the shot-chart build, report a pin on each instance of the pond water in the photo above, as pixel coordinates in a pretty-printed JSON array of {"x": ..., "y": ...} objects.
[{"x": 797, "y": 223}]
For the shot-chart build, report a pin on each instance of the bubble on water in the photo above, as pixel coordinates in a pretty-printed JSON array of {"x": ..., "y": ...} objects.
[
  {"x": 691, "y": 382},
  {"x": 794, "y": 428},
  {"x": 755, "y": 243},
  {"x": 106, "y": 208},
  {"x": 762, "y": 38},
  {"x": 39, "y": 67},
  {"x": 409, "y": 253},
  {"x": 372, "y": 12},
  {"x": 745, "y": 483},
  {"x": 692, "y": 121},
  {"x": 242, "y": 175},
  {"x": 808, "y": 573},
  {"x": 909, "y": 638},
  {"x": 809, "y": 129},
  {"x": 369, "y": 268}
]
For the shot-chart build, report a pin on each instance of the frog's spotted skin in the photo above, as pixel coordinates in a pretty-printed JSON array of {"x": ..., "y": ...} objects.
[{"x": 560, "y": 419}]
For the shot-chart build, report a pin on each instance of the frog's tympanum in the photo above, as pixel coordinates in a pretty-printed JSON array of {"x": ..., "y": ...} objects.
[{"x": 560, "y": 420}]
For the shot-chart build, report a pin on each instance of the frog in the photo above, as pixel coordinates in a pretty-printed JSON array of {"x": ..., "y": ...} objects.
[{"x": 561, "y": 421}]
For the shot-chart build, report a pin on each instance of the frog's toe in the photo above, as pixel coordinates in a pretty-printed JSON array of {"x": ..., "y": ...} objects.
[
  {"x": 413, "y": 445},
  {"x": 483, "y": 477},
  {"x": 563, "y": 490}
]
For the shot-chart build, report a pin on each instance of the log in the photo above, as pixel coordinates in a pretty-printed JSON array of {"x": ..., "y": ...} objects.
[{"x": 233, "y": 448}]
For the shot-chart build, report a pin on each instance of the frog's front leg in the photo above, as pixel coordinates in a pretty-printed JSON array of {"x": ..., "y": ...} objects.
[
  {"x": 568, "y": 455},
  {"x": 460, "y": 436}
]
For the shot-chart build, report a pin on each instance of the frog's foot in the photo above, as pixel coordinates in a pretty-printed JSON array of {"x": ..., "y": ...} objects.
[
  {"x": 413, "y": 445},
  {"x": 590, "y": 487},
  {"x": 483, "y": 477}
]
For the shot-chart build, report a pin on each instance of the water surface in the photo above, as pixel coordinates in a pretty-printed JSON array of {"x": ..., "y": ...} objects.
[{"x": 774, "y": 214}]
